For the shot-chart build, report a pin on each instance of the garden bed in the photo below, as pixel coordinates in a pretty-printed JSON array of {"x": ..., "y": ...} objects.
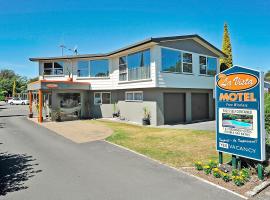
[{"x": 248, "y": 185}]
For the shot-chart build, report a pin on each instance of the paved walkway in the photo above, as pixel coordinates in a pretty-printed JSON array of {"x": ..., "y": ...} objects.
[
  {"x": 38, "y": 164},
  {"x": 79, "y": 131},
  {"x": 208, "y": 126}
]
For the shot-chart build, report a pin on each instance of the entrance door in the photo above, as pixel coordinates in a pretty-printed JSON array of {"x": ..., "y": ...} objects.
[
  {"x": 174, "y": 108},
  {"x": 200, "y": 106}
]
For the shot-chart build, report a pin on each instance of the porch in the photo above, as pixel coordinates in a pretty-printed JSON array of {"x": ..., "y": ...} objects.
[{"x": 66, "y": 99}]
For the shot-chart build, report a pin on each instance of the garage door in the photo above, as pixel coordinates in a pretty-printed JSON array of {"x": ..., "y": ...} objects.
[
  {"x": 174, "y": 108},
  {"x": 200, "y": 106}
]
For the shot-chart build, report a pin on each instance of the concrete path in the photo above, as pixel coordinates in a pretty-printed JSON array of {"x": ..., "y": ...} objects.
[
  {"x": 39, "y": 164},
  {"x": 79, "y": 131},
  {"x": 207, "y": 126}
]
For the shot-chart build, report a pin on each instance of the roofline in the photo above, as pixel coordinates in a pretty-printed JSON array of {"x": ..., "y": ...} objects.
[{"x": 146, "y": 41}]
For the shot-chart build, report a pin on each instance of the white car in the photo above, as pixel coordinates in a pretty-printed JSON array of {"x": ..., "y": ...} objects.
[{"x": 18, "y": 101}]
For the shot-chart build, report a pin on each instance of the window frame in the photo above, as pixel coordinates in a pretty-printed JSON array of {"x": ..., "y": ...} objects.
[
  {"x": 182, "y": 60},
  {"x": 89, "y": 69},
  {"x": 53, "y": 68},
  {"x": 101, "y": 101},
  {"x": 206, "y": 56},
  {"x": 133, "y": 95},
  {"x": 126, "y": 63},
  {"x": 126, "y": 58}
]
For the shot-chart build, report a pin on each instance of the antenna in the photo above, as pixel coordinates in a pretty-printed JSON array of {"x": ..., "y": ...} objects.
[
  {"x": 74, "y": 50},
  {"x": 62, "y": 48}
]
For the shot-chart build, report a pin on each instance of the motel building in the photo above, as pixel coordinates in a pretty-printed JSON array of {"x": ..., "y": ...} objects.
[{"x": 172, "y": 77}]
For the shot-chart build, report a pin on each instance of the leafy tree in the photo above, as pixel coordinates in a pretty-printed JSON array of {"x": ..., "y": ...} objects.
[
  {"x": 7, "y": 79},
  {"x": 267, "y": 76},
  {"x": 227, "y": 62}
]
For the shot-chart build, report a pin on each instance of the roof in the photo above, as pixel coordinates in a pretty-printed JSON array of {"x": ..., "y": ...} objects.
[{"x": 146, "y": 41}]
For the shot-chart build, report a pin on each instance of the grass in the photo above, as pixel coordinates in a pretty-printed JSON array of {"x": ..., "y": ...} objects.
[{"x": 175, "y": 147}]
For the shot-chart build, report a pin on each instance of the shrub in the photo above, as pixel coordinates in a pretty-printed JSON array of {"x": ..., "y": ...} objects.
[
  {"x": 207, "y": 169},
  {"x": 226, "y": 177},
  {"x": 238, "y": 180},
  {"x": 212, "y": 164},
  {"x": 198, "y": 166},
  {"x": 245, "y": 173},
  {"x": 216, "y": 173},
  {"x": 235, "y": 172}
]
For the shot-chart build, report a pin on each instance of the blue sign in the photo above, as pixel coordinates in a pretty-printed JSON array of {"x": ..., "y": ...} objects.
[{"x": 240, "y": 113}]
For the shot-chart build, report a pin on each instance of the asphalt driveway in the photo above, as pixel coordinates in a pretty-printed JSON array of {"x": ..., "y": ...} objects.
[{"x": 39, "y": 164}]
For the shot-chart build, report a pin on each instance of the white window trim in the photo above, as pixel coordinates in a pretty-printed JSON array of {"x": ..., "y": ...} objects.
[
  {"x": 133, "y": 92},
  {"x": 182, "y": 57},
  {"x": 126, "y": 68},
  {"x": 101, "y": 93},
  {"x": 182, "y": 62},
  {"x": 53, "y": 62},
  {"x": 89, "y": 69},
  {"x": 207, "y": 64}
]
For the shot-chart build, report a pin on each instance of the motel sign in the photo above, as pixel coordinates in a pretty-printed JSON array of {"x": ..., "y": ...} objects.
[{"x": 240, "y": 113}]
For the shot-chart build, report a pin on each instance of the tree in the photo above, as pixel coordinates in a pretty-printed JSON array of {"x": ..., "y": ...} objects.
[
  {"x": 7, "y": 79},
  {"x": 226, "y": 62},
  {"x": 267, "y": 76}
]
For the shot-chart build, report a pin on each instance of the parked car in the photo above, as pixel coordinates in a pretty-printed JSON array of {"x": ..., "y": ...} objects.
[
  {"x": 18, "y": 101},
  {"x": 7, "y": 98}
]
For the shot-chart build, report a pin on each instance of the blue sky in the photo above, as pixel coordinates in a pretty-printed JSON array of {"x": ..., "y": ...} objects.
[{"x": 35, "y": 28}]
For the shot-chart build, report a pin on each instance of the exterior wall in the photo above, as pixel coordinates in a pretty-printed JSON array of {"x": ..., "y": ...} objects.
[
  {"x": 153, "y": 99},
  {"x": 158, "y": 79},
  {"x": 112, "y": 82},
  {"x": 184, "y": 80},
  {"x": 188, "y": 45}
]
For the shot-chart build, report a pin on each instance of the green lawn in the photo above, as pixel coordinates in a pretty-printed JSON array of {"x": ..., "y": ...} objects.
[{"x": 174, "y": 147}]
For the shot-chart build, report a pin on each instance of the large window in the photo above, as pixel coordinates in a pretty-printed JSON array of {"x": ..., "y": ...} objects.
[
  {"x": 176, "y": 61},
  {"x": 93, "y": 68},
  {"x": 135, "y": 66},
  {"x": 53, "y": 68},
  {"x": 134, "y": 96},
  {"x": 208, "y": 65},
  {"x": 171, "y": 60},
  {"x": 102, "y": 98}
]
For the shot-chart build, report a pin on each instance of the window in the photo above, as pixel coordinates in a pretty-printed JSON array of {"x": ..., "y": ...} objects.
[
  {"x": 83, "y": 68},
  {"x": 135, "y": 66},
  {"x": 208, "y": 65},
  {"x": 99, "y": 68},
  {"x": 53, "y": 68},
  {"x": 102, "y": 98},
  {"x": 134, "y": 96},
  {"x": 171, "y": 60},
  {"x": 203, "y": 64},
  {"x": 48, "y": 68},
  {"x": 211, "y": 66},
  {"x": 139, "y": 59},
  {"x": 187, "y": 62},
  {"x": 123, "y": 68},
  {"x": 93, "y": 68}
]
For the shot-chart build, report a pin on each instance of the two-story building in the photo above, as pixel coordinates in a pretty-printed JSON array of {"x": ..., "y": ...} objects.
[{"x": 173, "y": 77}]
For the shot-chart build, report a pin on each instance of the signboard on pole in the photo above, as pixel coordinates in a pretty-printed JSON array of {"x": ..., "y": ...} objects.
[{"x": 240, "y": 113}]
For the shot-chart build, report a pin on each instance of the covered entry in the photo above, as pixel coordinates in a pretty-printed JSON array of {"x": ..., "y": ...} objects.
[
  {"x": 200, "y": 106},
  {"x": 174, "y": 108},
  {"x": 65, "y": 98}
]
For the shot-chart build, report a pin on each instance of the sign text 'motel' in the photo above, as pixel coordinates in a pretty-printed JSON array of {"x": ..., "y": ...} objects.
[{"x": 240, "y": 113}]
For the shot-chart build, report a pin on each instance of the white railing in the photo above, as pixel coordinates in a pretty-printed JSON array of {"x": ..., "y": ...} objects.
[{"x": 138, "y": 73}]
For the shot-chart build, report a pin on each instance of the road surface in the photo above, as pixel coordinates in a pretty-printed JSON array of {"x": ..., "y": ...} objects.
[{"x": 38, "y": 164}]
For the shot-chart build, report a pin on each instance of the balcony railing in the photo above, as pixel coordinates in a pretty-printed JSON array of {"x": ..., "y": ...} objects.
[{"x": 138, "y": 73}]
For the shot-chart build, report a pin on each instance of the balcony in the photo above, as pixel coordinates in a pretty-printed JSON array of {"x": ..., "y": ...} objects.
[{"x": 138, "y": 73}]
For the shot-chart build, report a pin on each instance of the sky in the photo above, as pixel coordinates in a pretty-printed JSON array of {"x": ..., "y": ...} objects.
[{"x": 35, "y": 28}]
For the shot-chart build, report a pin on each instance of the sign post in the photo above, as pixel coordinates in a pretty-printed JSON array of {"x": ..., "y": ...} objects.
[{"x": 240, "y": 114}]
